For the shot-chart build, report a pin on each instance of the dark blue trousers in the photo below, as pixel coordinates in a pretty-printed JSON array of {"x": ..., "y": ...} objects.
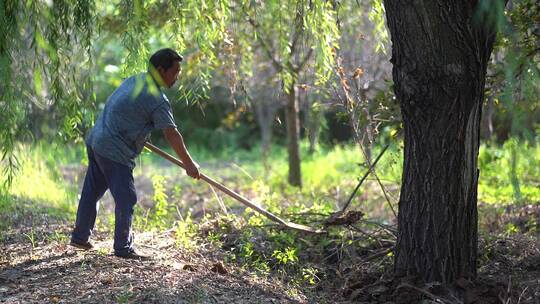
[{"x": 103, "y": 174}]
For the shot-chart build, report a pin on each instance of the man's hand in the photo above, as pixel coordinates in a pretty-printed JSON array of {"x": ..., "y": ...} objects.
[
  {"x": 192, "y": 169},
  {"x": 177, "y": 143}
]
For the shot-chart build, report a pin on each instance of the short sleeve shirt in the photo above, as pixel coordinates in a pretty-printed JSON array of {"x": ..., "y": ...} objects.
[{"x": 133, "y": 110}]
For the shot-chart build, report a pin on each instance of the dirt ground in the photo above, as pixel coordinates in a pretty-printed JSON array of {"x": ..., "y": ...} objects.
[
  {"x": 38, "y": 266},
  {"x": 54, "y": 272}
]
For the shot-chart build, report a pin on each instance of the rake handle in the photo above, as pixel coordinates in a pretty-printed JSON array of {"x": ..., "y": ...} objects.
[{"x": 218, "y": 185}]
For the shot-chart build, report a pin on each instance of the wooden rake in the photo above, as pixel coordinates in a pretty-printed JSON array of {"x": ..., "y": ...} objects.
[{"x": 237, "y": 196}]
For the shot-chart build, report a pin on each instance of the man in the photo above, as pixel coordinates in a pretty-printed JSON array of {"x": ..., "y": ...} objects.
[{"x": 133, "y": 110}]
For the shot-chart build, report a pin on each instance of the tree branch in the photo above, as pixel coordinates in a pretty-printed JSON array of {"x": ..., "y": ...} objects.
[
  {"x": 304, "y": 61},
  {"x": 298, "y": 29},
  {"x": 267, "y": 49}
]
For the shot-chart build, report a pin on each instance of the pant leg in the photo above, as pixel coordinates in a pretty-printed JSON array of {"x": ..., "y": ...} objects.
[
  {"x": 121, "y": 184},
  {"x": 93, "y": 189}
]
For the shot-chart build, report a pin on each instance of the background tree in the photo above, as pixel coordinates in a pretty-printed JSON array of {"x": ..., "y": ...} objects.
[
  {"x": 265, "y": 102},
  {"x": 362, "y": 72},
  {"x": 512, "y": 87},
  {"x": 289, "y": 40}
]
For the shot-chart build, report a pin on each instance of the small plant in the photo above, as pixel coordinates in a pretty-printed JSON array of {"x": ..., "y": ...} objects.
[
  {"x": 256, "y": 220},
  {"x": 162, "y": 216},
  {"x": 33, "y": 241},
  {"x": 250, "y": 255},
  {"x": 186, "y": 232},
  {"x": 309, "y": 275},
  {"x": 511, "y": 229},
  {"x": 288, "y": 256},
  {"x": 214, "y": 238},
  {"x": 124, "y": 296},
  {"x": 58, "y": 237}
]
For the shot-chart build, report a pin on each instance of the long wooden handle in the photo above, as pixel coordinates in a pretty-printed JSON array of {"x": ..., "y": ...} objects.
[
  {"x": 218, "y": 185},
  {"x": 235, "y": 195}
]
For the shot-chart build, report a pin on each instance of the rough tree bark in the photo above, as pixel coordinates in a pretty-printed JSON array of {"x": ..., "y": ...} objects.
[{"x": 439, "y": 54}]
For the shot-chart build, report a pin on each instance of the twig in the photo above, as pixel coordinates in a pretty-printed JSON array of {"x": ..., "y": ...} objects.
[
  {"x": 364, "y": 177},
  {"x": 387, "y": 228},
  {"x": 378, "y": 254},
  {"x": 427, "y": 293},
  {"x": 304, "y": 214},
  {"x": 508, "y": 289},
  {"x": 379, "y": 182},
  {"x": 369, "y": 235},
  {"x": 385, "y": 194},
  {"x": 220, "y": 201},
  {"x": 269, "y": 51},
  {"x": 521, "y": 295}
]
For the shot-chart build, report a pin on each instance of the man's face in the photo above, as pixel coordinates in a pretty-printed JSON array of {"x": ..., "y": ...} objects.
[{"x": 170, "y": 75}]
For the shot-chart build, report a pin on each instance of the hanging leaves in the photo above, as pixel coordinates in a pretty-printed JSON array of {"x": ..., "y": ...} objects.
[
  {"x": 322, "y": 24},
  {"x": 43, "y": 46},
  {"x": 376, "y": 16},
  {"x": 46, "y": 51}
]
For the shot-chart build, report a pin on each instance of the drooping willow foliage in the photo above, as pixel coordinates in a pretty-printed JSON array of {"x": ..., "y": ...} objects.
[
  {"x": 288, "y": 31},
  {"x": 47, "y": 54},
  {"x": 48, "y": 50},
  {"x": 514, "y": 73}
]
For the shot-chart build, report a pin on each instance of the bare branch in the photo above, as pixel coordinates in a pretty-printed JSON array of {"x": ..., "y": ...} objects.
[
  {"x": 266, "y": 47},
  {"x": 304, "y": 61},
  {"x": 298, "y": 26}
]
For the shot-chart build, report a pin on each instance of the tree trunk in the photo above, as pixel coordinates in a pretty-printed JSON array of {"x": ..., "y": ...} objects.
[
  {"x": 293, "y": 137},
  {"x": 487, "y": 119},
  {"x": 439, "y": 57},
  {"x": 265, "y": 112},
  {"x": 315, "y": 120}
]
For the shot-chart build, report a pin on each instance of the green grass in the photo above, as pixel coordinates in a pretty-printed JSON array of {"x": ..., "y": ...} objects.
[
  {"x": 39, "y": 187},
  {"x": 510, "y": 174}
]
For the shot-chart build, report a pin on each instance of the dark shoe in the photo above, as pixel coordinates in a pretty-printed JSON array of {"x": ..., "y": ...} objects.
[
  {"x": 133, "y": 255},
  {"x": 81, "y": 245}
]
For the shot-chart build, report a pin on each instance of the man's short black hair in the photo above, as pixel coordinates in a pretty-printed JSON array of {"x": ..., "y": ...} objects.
[{"x": 165, "y": 58}]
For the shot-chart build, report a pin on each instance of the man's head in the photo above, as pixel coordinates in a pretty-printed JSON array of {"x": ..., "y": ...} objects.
[{"x": 167, "y": 64}]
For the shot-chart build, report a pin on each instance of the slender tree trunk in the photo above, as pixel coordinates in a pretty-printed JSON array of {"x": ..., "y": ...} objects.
[
  {"x": 367, "y": 137},
  {"x": 487, "y": 119},
  {"x": 265, "y": 113},
  {"x": 315, "y": 118},
  {"x": 439, "y": 61},
  {"x": 293, "y": 137},
  {"x": 266, "y": 137},
  {"x": 312, "y": 121}
]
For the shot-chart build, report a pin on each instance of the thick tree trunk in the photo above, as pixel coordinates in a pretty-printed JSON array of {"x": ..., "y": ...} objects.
[
  {"x": 293, "y": 137},
  {"x": 440, "y": 60}
]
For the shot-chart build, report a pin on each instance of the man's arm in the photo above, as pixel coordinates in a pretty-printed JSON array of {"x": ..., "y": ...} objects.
[{"x": 177, "y": 143}]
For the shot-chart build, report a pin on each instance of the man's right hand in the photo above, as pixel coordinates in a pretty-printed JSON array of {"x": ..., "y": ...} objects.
[
  {"x": 177, "y": 143},
  {"x": 192, "y": 169}
]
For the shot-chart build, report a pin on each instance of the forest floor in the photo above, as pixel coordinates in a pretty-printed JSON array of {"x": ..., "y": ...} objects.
[
  {"x": 54, "y": 272},
  {"x": 38, "y": 266},
  {"x": 202, "y": 256}
]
